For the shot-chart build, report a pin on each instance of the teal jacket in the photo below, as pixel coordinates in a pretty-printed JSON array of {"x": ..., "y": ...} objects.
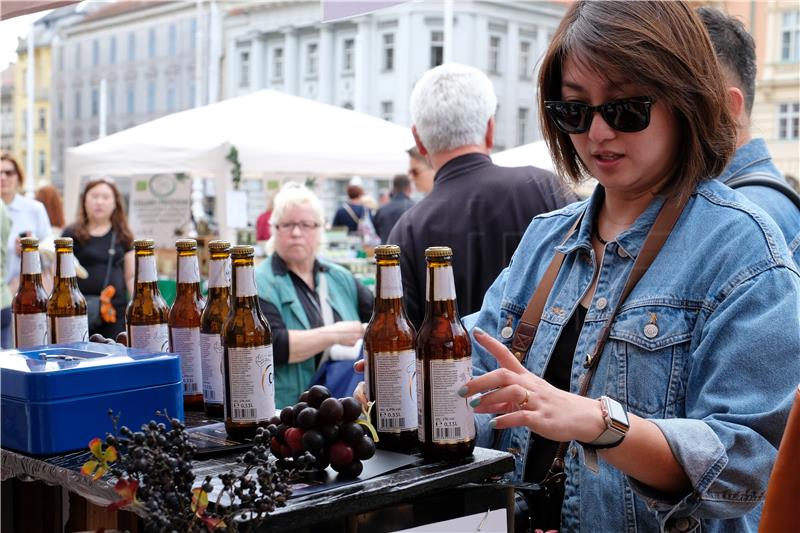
[{"x": 293, "y": 378}]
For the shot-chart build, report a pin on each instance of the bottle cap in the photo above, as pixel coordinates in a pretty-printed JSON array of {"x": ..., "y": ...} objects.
[
  {"x": 242, "y": 251},
  {"x": 144, "y": 244},
  {"x": 387, "y": 250},
  {"x": 219, "y": 246},
  {"x": 438, "y": 252},
  {"x": 63, "y": 242},
  {"x": 186, "y": 244},
  {"x": 29, "y": 241}
]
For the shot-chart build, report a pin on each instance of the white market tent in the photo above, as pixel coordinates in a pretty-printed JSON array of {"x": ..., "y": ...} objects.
[
  {"x": 274, "y": 133},
  {"x": 535, "y": 154}
]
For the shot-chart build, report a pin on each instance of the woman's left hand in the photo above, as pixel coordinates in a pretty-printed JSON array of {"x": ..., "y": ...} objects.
[{"x": 524, "y": 399}]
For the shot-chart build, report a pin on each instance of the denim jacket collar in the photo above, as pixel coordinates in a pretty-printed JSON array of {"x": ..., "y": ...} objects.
[{"x": 752, "y": 154}]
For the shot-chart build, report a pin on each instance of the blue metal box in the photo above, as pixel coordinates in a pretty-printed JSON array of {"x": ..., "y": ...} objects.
[{"x": 56, "y": 398}]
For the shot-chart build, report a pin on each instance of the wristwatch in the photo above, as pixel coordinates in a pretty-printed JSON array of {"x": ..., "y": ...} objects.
[{"x": 617, "y": 424}]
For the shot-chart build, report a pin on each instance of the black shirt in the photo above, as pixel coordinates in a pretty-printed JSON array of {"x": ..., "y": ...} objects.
[
  {"x": 481, "y": 211},
  {"x": 309, "y": 299},
  {"x": 388, "y": 215},
  {"x": 342, "y": 217}
]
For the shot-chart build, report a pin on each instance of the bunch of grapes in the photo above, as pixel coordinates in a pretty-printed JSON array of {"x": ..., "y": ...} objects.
[{"x": 320, "y": 430}]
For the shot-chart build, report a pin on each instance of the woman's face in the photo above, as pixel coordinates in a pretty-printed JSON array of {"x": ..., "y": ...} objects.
[
  {"x": 9, "y": 180},
  {"x": 628, "y": 164},
  {"x": 100, "y": 203},
  {"x": 293, "y": 242}
]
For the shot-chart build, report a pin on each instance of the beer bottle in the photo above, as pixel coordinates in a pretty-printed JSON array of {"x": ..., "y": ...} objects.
[
  {"x": 247, "y": 344},
  {"x": 66, "y": 308},
  {"x": 390, "y": 372},
  {"x": 444, "y": 365},
  {"x": 147, "y": 312},
  {"x": 184, "y": 323},
  {"x": 29, "y": 306},
  {"x": 213, "y": 318}
]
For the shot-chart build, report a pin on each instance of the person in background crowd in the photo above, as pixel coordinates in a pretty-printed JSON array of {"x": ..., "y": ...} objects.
[
  {"x": 263, "y": 228},
  {"x": 51, "y": 199},
  {"x": 736, "y": 52},
  {"x": 5, "y": 293},
  {"x": 352, "y": 211},
  {"x": 388, "y": 215},
  {"x": 477, "y": 208},
  {"x": 103, "y": 244},
  {"x": 312, "y": 306},
  {"x": 694, "y": 371},
  {"x": 28, "y": 217},
  {"x": 420, "y": 171}
]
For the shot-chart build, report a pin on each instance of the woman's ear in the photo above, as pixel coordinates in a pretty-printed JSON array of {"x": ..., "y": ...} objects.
[{"x": 736, "y": 105}]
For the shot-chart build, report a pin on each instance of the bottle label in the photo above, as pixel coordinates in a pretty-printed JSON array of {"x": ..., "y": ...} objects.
[
  {"x": 30, "y": 330},
  {"x": 188, "y": 269},
  {"x": 219, "y": 273},
  {"x": 147, "y": 269},
  {"x": 245, "y": 282},
  {"x": 211, "y": 357},
  {"x": 391, "y": 286},
  {"x": 444, "y": 286},
  {"x": 186, "y": 343},
  {"x": 421, "y": 401},
  {"x": 452, "y": 420},
  {"x": 71, "y": 329},
  {"x": 396, "y": 390},
  {"x": 252, "y": 382},
  {"x": 152, "y": 337},
  {"x": 31, "y": 263},
  {"x": 67, "y": 264}
]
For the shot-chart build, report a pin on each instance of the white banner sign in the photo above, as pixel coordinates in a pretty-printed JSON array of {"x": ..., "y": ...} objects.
[{"x": 160, "y": 207}]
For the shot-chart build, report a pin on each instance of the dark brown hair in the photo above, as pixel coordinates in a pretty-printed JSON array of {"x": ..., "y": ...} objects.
[
  {"x": 354, "y": 192},
  {"x": 119, "y": 222},
  {"x": 5, "y": 156},
  {"x": 51, "y": 198},
  {"x": 661, "y": 46}
]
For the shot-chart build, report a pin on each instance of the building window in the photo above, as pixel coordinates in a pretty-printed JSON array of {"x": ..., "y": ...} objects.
[
  {"x": 77, "y": 55},
  {"x": 790, "y": 37},
  {"x": 60, "y": 58},
  {"x": 173, "y": 40},
  {"x": 277, "y": 64},
  {"x": 95, "y": 102},
  {"x": 193, "y": 34},
  {"x": 112, "y": 101},
  {"x": 387, "y": 110},
  {"x": 789, "y": 121},
  {"x": 348, "y": 55},
  {"x": 151, "y": 43},
  {"x": 525, "y": 67},
  {"x": 191, "y": 94},
  {"x": 244, "y": 68},
  {"x": 112, "y": 51},
  {"x": 312, "y": 59},
  {"x": 151, "y": 97},
  {"x": 437, "y": 48},
  {"x": 522, "y": 124},
  {"x": 494, "y": 54},
  {"x": 78, "y": 104},
  {"x": 131, "y": 46},
  {"x": 60, "y": 109},
  {"x": 131, "y": 97},
  {"x": 95, "y": 53},
  {"x": 388, "y": 51},
  {"x": 171, "y": 99},
  {"x": 42, "y": 120},
  {"x": 42, "y": 163}
]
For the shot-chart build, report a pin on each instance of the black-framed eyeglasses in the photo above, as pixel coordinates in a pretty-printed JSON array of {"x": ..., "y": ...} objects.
[
  {"x": 304, "y": 225},
  {"x": 628, "y": 115}
]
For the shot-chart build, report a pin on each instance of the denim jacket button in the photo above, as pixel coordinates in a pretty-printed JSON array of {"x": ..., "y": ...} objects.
[
  {"x": 506, "y": 332},
  {"x": 621, "y": 252},
  {"x": 573, "y": 451},
  {"x": 601, "y": 303},
  {"x": 650, "y": 331},
  {"x": 682, "y": 524}
]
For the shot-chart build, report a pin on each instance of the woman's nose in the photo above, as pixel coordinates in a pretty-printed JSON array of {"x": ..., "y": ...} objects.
[{"x": 599, "y": 130}]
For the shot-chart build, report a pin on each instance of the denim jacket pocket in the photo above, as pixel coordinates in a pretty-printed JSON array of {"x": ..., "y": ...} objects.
[{"x": 651, "y": 344}]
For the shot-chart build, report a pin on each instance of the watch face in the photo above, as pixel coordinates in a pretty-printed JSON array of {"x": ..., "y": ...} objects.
[{"x": 616, "y": 412}]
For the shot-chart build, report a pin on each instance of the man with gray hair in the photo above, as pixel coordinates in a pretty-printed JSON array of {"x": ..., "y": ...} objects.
[{"x": 478, "y": 209}]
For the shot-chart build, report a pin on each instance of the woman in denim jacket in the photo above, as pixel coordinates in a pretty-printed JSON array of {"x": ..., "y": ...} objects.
[{"x": 704, "y": 353}]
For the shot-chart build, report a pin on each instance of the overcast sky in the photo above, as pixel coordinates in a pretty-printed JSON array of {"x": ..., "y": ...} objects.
[{"x": 10, "y": 30}]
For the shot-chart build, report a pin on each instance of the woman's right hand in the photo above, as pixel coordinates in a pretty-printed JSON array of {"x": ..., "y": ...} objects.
[{"x": 347, "y": 332}]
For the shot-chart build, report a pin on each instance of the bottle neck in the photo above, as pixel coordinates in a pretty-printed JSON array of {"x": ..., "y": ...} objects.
[
  {"x": 30, "y": 262},
  {"x": 244, "y": 292},
  {"x": 65, "y": 267},
  {"x": 219, "y": 272},
  {"x": 145, "y": 273},
  {"x": 440, "y": 293},
  {"x": 188, "y": 268}
]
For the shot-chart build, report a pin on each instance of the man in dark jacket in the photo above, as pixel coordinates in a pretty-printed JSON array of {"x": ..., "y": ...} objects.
[
  {"x": 477, "y": 208},
  {"x": 388, "y": 215}
]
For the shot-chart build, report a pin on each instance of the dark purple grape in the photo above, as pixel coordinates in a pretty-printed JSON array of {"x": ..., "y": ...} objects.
[
  {"x": 298, "y": 407},
  {"x": 303, "y": 397},
  {"x": 279, "y": 435},
  {"x": 364, "y": 449},
  {"x": 351, "y": 471},
  {"x": 96, "y": 337},
  {"x": 307, "y": 418},
  {"x": 330, "y": 432},
  {"x": 330, "y": 411},
  {"x": 275, "y": 420},
  {"x": 352, "y": 409},
  {"x": 341, "y": 455},
  {"x": 313, "y": 441},
  {"x": 323, "y": 460},
  {"x": 351, "y": 433},
  {"x": 317, "y": 394},
  {"x": 287, "y": 416}
]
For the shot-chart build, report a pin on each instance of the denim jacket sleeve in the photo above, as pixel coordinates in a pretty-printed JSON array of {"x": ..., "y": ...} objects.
[{"x": 743, "y": 362}]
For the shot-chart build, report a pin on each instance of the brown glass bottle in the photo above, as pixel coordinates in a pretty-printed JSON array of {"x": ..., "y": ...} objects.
[
  {"x": 66, "y": 308},
  {"x": 247, "y": 344},
  {"x": 390, "y": 358},
  {"x": 444, "y": 365},
  {"x": 29, "y": 306},
  {"x": 213, "y": 318},
  {"x": 147, "y": 312},
  {"x": 184, "y": 323}
]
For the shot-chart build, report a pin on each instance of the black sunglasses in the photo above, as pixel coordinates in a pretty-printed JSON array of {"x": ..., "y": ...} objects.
[{"x": 628, "y": 116}]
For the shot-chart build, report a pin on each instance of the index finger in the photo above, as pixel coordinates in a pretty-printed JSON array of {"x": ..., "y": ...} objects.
[{"x": 498, "y": 350}]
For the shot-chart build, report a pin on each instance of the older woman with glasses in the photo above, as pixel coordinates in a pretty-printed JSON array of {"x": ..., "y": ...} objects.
[{"x": 312, "y": 306}]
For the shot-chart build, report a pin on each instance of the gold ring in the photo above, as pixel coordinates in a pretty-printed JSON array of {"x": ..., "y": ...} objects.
[{"x": 524, "y": 402}]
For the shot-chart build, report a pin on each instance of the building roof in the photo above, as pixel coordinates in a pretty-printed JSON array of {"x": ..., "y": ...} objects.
[{"x": 122, "y": 7}]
